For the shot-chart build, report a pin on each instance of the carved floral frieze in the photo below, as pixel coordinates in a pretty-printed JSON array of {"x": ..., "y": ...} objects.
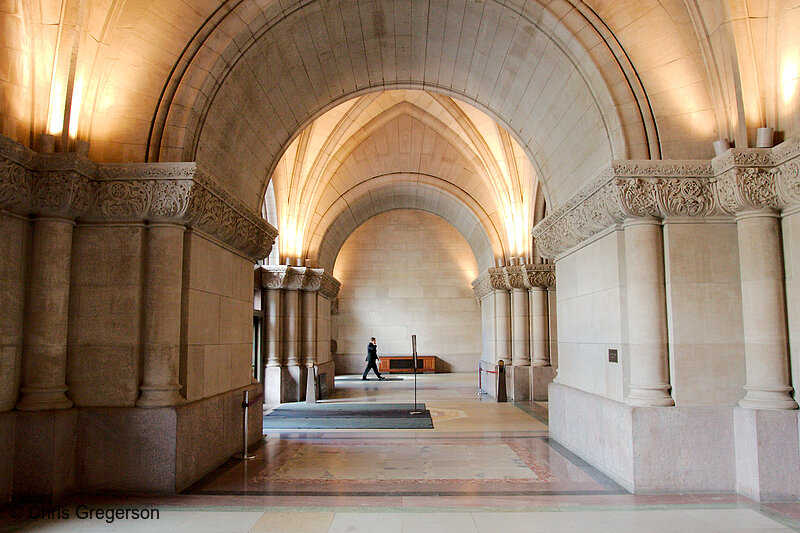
[
  {"x": 737, "y": 181},
  {"x": 299, "y": 279},
  {"x": 70, "y": 185}
]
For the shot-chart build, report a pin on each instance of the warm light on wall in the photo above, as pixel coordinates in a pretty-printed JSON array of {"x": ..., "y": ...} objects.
[
  {"x": 55, "y": 120},
  {"x": 790, "y": 75},
  {"x": 291, "y": 242}
]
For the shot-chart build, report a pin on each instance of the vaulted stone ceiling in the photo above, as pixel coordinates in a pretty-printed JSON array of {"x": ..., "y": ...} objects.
[
  {"x": 404, "y": 148},
  {"x": 231, "y": 83}
]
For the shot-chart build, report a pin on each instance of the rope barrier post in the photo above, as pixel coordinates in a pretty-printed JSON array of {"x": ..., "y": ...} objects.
[
  {"x": 501, "y": 381},
  {"x": 414, "y": 362},
  {"x": 245, "y": 426}
]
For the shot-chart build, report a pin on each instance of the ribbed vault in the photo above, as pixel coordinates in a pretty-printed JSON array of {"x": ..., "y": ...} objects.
[{"x": 401, "y": 149}]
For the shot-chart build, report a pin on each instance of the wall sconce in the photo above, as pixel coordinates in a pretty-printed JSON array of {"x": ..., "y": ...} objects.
[{"x": 764, "y": 137}]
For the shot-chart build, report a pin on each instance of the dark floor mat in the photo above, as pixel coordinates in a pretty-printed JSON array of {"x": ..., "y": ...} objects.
[{"x": 348, "y": 416}]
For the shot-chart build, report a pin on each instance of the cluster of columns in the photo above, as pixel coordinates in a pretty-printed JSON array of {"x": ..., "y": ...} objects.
[
  {"x": 48, "y": 201},
  {"x": 763, "y": 303},
  {"x": 517, "y": 303},
  {"x": 296, "y": 302},
  {"x": 761, "y": 262},
  {"x": 46, "y": 321}
]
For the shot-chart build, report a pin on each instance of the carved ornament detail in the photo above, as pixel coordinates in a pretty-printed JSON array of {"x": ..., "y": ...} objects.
[
  {"x": 740, "y": 180},
  {"x": 291, "y": 278},
  {"x": 70, "y": 185},
  {"x": 514, "y": 277}
]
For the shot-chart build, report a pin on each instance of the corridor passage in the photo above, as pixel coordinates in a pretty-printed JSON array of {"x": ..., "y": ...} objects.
[{"x": 484, "y": 468}]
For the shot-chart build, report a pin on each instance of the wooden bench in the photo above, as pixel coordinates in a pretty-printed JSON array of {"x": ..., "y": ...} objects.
[{"x": 395, "y": 364}]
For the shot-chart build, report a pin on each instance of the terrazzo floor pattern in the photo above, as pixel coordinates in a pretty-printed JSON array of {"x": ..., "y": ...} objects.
[{"x": 484, "y": 468}]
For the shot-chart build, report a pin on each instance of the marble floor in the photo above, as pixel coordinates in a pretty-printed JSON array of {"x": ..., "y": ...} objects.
[{"x": 485, "y": 467}]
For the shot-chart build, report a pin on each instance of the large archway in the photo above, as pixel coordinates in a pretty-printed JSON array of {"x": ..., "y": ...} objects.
[
  {"x": 407, "y": 272},
  {"x": 520, "y": 67}
]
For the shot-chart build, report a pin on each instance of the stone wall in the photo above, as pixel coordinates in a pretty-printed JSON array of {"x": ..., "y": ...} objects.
[
  {"x": 105, "y": 314},
  {"x": 407, "y": 272},
  {"x": 217, "y": 317},
  {"x": 591, "y": 317}
]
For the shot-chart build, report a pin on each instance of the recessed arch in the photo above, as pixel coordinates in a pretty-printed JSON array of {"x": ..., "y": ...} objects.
[
  {"x": 424, "y": 193},
  {"x": 537, "y": 80}
]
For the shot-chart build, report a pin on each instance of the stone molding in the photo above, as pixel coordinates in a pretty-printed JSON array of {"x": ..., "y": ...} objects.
[
  {"x": 514, "y": 277},
  {"x": 70, "y": 185},
  {"x": 738, "y": 180},
  {"x": 285, "y": 277}
]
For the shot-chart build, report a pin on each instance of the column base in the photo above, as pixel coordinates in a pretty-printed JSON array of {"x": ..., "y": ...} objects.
[
  {"x": 293, "y": 386},
  {"x": 642, "y": 396},
  {"x": 636, "y": 446},
  {"x": 760, "y": 398},
  {"x": 43, "y": 399},
  {"x": 541, "y": 377},
  {"x": 518, "y": 379},
  {"x": 273, "y": 380},
  {"x": 312, "y": 386},
  {"x": 767, "y": 454},
  {"x": 154, "y": 398}
]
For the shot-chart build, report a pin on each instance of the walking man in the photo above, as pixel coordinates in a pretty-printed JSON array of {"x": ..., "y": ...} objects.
[{"x": 372, "y": 359}]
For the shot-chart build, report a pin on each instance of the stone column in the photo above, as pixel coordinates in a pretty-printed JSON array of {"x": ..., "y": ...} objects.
[
  {"x": 519, "y": 383},
  {"x": 291, "y": 327},
  {"x": 539, "y": 311},
  {"x": 309, "y": 326},
  {"x": 273, "y": 373},
  {"x": 293, "y": 387},
  {"x": 46, "y": 313},
  {"x": 520, "y": 343},
  {"x": 647, "y": 313},
  {"x": 502, "y": 326},
  {"x": 271, "y": 305},
  {"x": 162, "y": 316},
  {"x": 763, "y": 309},
  {"x": 552, "y": 326}
]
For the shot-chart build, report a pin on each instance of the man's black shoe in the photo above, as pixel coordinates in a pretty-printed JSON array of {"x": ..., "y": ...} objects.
[
  {"x": 363, "y": 379},
  {"x": 381, "y": 377}
]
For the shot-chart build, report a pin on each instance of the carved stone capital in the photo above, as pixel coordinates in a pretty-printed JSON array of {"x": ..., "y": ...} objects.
[
  {"x": 542, "y": 276},
  {"x": 70, "y": 185},
  {"x": 329, "y": 287},
  {"x": 299, "y": 279},
  {"x": 739, "y": 180},
  {"x": 273, "y": 277},
  {"x": 514, "y": 277},
  {"x": 498, "y": 277},
  {"x": 482, "y": 285}
]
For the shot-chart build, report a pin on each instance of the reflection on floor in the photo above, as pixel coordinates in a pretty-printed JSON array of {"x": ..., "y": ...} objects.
[{"x": 485, "y": 467}]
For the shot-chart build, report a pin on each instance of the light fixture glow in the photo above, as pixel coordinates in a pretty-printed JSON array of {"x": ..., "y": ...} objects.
[{"x": 75, "y": 109}]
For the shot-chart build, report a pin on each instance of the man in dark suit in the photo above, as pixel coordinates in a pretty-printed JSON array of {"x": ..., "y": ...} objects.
[{"x": 372, "y": 359}]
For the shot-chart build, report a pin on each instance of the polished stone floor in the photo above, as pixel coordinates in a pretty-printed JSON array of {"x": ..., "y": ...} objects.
[{"x": 484, "y": 468}]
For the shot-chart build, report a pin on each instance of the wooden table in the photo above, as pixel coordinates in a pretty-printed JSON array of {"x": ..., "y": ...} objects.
[{"x": 395, "y": 364}]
